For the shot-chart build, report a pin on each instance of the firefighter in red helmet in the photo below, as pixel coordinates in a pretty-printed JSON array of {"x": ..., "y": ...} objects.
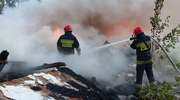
[
  {"x": 142, "y": 44},
  {"x": 68, "y": 42}
]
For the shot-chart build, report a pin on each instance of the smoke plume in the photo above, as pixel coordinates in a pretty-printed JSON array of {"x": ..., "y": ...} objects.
[{"x": 30, "y": 31}]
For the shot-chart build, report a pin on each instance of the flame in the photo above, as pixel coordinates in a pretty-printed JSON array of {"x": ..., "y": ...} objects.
[
  {"x": 123, "y": 28},
  {"x": 56, "y": 30}
]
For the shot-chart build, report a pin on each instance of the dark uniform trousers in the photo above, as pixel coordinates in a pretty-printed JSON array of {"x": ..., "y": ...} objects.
[
  {"x": 142, "y": 44},
  {"x": 140, "y": 68}
]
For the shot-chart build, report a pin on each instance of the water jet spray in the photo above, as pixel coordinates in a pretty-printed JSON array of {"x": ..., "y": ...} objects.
[{"x": 126, "y": 40}]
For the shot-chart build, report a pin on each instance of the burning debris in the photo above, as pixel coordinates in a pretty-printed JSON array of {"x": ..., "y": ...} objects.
[
  {"x": 99, "y": 74},
  {"x": 55, "y": 82},
  {"x": 49, "y": 85},
  {"x": 32, "y": 85},
  {"x": 19, "y": 69},
  {"x": 46, "y": 82}
]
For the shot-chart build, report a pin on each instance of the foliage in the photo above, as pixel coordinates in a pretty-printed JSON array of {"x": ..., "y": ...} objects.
[
  {"x": 171, "y": 38},
  {"x": 158, "y": 26},
  {"x": 11, "y": 3},
  {"x": 1, "y": 5},
  {"x": 162, "y": 91},
  {"x": 177, "y": 78},
  {"x": 178, "y": 65},
  {"x": 8, "y": 3}
]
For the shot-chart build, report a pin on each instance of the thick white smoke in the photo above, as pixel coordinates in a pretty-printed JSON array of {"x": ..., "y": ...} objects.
[
  {"x": 27, "y": 31},
  {"x": 171, "y": 8}
]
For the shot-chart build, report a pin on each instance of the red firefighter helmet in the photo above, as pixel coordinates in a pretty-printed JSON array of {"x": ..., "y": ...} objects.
[
  {"x": 68, "y": 28},
  {"x": 137, "y": 31}
]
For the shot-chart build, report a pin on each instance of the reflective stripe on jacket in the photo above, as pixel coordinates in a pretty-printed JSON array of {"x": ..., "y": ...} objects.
[
  {"x": 67, "y": 43},
  {"x": 144, "y": 62},
  {"x": 142, "y": 45}
]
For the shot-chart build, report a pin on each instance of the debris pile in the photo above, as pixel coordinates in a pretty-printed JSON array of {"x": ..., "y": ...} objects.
[
  {"x": 60, "y": 83},
  {"x": 33, "y": 87}
]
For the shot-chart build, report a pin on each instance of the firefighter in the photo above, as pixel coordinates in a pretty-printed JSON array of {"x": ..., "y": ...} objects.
[
  {"x": 68, "y": 42},
  {"x": 142, "y": 44},
  {"x": 3, "y": 59}
]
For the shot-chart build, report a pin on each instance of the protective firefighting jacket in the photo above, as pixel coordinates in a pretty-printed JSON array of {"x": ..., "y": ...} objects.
[
  {"x": 67, "y": 43},
  {"x": 142, "y": 44}
]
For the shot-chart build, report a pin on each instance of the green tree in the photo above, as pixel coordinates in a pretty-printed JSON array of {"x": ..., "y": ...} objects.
[
  {"x": 2, "y": 3},
  {"x": 158, "y": 26},
  {"x": 11, "y": 3},
  {"x": 170, "y": 40},
  {"x": 163, "y": 91}
]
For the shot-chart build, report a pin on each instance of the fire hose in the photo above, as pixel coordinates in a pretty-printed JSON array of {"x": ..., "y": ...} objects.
[
  {"x": 165, "y": 52},
  {"x": 159, "y": 45},
  {"x": 167, "y": 55}
]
